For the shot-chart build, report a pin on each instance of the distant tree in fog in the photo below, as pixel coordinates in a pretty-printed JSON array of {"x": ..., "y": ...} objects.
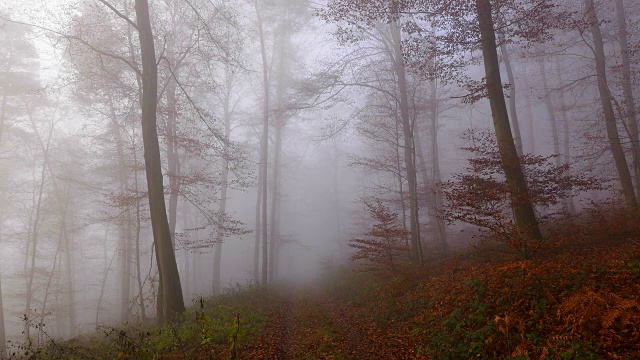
[{"x": 18, "y": 62}]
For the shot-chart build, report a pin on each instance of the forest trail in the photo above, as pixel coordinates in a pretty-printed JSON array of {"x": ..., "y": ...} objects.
[{"x": 308, "y": 324}]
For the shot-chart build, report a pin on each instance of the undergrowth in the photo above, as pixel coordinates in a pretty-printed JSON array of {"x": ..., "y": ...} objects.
[
  {"x": 578, "y": 298},
  {"x": 217, "y": 328}
]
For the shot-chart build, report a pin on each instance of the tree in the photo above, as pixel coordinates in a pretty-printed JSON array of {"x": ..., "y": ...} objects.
[
  {"x": 609, "y": 115},
  {"x": 264, "y": 147},
  {"x": 17, "y": 64},
  {"x": 627, "y": 87},
  {"x": 523, "y": 210},
  {"x": 171, "y": 296},
  {"x": 383, "y": 243},
  {"x": 381, "y": 22},
  {"x": 481, "y": 195}
]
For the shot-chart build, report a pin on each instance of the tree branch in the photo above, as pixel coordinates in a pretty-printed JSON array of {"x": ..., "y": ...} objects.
[{"x": 123, "y": 16}]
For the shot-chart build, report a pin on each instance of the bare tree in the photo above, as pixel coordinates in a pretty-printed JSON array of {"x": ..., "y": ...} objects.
[{"x": 609, "y": 114}]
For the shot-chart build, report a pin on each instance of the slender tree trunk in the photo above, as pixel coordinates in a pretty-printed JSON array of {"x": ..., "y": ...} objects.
[
  {"x": 569, "y": 203},
  {"x": 173, "y": 159},
  {"x": 530, "y": 128},
  {"x": 525, "y": 217},
  {"x": 424, "y": 173},
  {"x": 224, "y": 184},
  {"x": 256, "y": 249},
  {"x": 277, "y": 151},
  {"x": 34, "y": 242},
  {"x": 124, "y": 228},
  {"x": 264, "y": 150},
  {"x": 550, "y": 111},
  {"x": 3, "y": 338},
  {"x": 275, "y": 199},
  {"x": 102, "y": 286},
  {"x": 3, "y": 114},
  {"x": 627, "y": 87},
  {"x": 51, "y": 276},
  {"x": 513, "y": 111},
  {"x": 437, "y": 175},
  {"x": 186, "y": 225},
  {"x": 70, "y": 281},
  {"x": 401, "y": 191},
  {"x": 143, "y": 312},
  {"x": 609, "y": 114},
  {"x": 409, "y": 148},
  {"x": 172, "y": 300}
]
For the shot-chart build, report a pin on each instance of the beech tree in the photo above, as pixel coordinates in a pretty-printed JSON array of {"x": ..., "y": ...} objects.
[
  {"x": 482, "y": 197},
  {"x": 471, "y": 25},
  {"x": 171, "y": 296}
]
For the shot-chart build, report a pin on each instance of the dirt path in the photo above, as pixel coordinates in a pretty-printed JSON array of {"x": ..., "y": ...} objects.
[{"x": 309, "y": 325}]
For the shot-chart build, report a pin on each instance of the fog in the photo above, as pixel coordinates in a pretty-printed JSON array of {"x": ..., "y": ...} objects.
[{"x": 77, "y": 245}]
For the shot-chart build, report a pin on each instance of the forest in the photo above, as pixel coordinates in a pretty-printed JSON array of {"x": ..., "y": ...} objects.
[{"x": 319, "y": 179}]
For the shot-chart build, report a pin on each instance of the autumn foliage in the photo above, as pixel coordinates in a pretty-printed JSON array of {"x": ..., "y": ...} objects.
[
  {"x": 382, "y": 247},
  {"x": 479, "y": 196}
]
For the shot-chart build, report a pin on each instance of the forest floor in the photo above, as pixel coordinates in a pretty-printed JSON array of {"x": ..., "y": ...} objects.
[
  {"x": 578, "y": 297},
  {"x": 309, "y": 324}
]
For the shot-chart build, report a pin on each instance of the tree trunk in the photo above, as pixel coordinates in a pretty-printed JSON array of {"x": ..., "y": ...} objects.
[
  {"x": 524, "y": 214},
  {"x": 437, "y": 175},
  {"x": 256, "y": 249},
  {"x": 52, "y": 274},
  {"x": 173, "y": 160},
  {"x": 566, "y": 154},
  {"x": 399, "y": 177},
  {"x": 3, "y": 112},
  {"x": 409, "y": 148},
  {"x": 224, "y": 183},
  {"x": 143, "y": 312},
  {"x": 513, "y": 113},
  {"x": 104, "y": 282},
  {"x": 627, "y": 88},
  {"x": 550, "y": 111},
  {"x": 186, "y": 225},
  {"x": 264, "y": 148},
  {"x": 172, "y": 301},
  {"x": 275, "y": 195},
  {"x": 124, "y": 228},
  {"x": 33, "y": 235},
  {"x": 609, "y": 114},
  {"x": 530, "y": 128},
  {"x": 277, "y": 151},
  {"x": 70, "y": 280},
  {"x": 3, "y": 338}
]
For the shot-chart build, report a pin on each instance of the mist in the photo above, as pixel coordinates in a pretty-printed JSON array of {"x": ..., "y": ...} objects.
[{"x": 157, "y": 153}]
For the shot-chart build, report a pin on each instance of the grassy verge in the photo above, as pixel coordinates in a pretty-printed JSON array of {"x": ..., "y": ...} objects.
[{"x": 217, "y": 328}]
